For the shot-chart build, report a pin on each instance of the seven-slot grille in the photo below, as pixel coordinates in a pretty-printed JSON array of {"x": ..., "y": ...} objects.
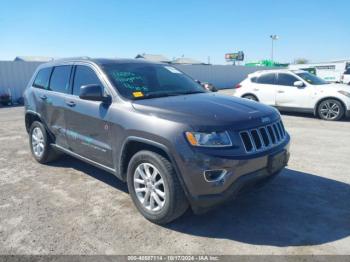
[{"x": 264, "y": 137}]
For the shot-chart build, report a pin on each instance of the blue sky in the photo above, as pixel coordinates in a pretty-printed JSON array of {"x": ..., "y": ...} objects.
[{"x": 316, "y": 30}]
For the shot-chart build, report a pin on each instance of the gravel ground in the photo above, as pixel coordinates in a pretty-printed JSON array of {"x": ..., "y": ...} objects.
[{"x": 69, "y": 207}]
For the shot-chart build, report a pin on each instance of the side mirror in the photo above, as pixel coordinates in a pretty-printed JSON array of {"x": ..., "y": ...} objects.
[
  {"x": 93, "y": 93},
  {"x": 299, "y": 84}
]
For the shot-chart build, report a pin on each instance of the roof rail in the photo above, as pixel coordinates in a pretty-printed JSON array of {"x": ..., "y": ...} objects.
[{"x": 74, "y": 58}]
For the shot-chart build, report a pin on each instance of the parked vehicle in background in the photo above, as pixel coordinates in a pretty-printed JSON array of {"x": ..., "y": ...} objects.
[
  {"x": 155, "y": 128},
  {"x": 5, "y": 99},
  {"x": 296, "y": 90},
  {"x": 207, "y": 86},
  {"x": 346, "y": 77},
  {"x": 330, "y": 72}
]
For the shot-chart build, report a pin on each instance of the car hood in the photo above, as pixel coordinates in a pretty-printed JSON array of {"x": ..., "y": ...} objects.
[{"x": 207, "y": 109}]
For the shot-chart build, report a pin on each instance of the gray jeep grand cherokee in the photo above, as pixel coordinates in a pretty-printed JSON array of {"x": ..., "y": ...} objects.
[{"x": 154, "y": 127}]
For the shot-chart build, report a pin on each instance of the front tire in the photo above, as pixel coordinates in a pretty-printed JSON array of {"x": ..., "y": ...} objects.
[
  {"x": 39, "y": 143},
  {"x": 155, "y": 188},
  {"x": 330, "y": 110}
]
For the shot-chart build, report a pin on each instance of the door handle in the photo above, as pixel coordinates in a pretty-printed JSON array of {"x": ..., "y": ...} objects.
[
  {"x": 43, "y": 97},
  {"x": 70, "y": 103},
  {"x": 280, "y": 91}
]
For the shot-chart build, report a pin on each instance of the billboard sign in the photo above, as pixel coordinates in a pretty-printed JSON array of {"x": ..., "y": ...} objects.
[{"x": 239, "y": 56}]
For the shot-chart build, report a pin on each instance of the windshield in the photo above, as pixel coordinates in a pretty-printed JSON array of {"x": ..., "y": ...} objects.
[
  {"x": 143, "y": 80},
  {"x": 311, "y": 79}
]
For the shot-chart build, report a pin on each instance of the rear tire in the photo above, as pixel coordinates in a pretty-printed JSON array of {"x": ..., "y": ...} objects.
[
  {"x": 330, "y": 110},
  {"x": 39, "y": 143},
  {"x": 155, "y": 188},
  {"x": 251, "y": 97}
]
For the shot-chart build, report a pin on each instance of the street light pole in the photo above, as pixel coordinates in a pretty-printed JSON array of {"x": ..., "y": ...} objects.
[{"x": 273, "y": 38}]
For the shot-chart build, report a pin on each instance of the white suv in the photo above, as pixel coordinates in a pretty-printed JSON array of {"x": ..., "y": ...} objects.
[{"x": 300, "y": 91}]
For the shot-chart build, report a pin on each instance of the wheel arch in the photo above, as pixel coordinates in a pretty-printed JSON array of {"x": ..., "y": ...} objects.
[
  {"x": 250, "y": 94},
  {"x": 132, "y": 145},
  {"x": 327, "y": 98},
  {"x": 29, "y": 118}
]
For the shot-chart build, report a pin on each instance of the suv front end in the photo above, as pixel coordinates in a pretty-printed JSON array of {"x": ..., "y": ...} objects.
[{"x": 213, "y": 175}]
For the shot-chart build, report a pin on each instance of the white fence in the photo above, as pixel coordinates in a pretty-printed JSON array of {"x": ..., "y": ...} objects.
[{"x": 14, "y": 77}]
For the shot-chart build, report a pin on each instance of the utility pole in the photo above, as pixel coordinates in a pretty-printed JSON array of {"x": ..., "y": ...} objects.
[{"x": 273, "y": 38}]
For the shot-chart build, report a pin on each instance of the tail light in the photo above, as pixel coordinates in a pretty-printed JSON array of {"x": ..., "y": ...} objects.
[{"x": 238, "y": 86}]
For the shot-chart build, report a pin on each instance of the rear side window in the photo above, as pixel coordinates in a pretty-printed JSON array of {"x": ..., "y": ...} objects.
[
  {"x": 286, "y": 80},
  {"x": 266, "y": 79},
  {"x": 347, "y": 72},
  {"x": 42, "y": 78},
  {"x": 253, "y": 79},
  {"x": 84, "y": 76},
  {"x": 60, "y": 79}
]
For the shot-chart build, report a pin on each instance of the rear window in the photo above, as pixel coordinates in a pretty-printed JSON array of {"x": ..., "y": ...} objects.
[
  {"x": 60, "y": 79},
  {"x": 266, "y": 79},
  {"x": 42, "y": 78}
]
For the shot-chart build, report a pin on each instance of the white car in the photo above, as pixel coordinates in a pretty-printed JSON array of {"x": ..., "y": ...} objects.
[{"x": 296, "y": 90}]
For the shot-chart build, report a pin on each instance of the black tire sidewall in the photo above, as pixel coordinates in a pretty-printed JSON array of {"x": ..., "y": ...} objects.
[
  {"x": 167, "y": 175},
  {"x": 44, "y": 156},
  {"x": 250, "y": 97},
  {"x": 341, "y": 113}
]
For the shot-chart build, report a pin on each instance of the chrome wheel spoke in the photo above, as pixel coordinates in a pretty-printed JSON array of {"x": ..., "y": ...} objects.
[
  {"x": 157, "y": 199},
  {"x": 160, "y": 193},
  {"x": 149, "y": 187}
]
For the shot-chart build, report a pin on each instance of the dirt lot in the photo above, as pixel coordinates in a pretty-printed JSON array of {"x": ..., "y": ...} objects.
[{"x": 69, "y": 207}]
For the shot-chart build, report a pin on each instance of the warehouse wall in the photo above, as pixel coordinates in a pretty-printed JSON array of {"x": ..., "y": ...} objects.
[
  {"x": 14, "y": 76},
  {"x": 221, "y": 76}
]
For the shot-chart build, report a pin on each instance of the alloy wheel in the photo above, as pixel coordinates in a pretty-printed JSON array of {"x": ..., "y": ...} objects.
[
  {"x": 149, "y": 187},
  {"x": 329, "y": 110},
  {"x": 38, "y": 142}
]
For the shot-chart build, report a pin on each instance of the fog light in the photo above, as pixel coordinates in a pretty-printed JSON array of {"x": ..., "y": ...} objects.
[{"x": 214, "y": 175}]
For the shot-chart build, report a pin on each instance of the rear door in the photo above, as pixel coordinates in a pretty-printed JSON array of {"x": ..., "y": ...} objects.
[
  {"x": 88, "y": 129},
  {"x": 52, "y": 100},
  {"x": 265, "y": 89},
  {"x": 290, "y": 96}
]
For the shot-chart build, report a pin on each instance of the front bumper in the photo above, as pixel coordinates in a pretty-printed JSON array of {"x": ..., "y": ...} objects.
[
  {"x": 203, "y": 203},
  {"x": 241, "y": 173}
]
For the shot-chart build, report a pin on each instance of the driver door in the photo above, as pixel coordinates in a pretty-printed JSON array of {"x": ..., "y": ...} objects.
[
  {"x": 87, "y": 122},
  {"x": 290, "y": 96}
]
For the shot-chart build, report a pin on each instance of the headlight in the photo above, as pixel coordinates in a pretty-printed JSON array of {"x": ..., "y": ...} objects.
[
  {"x": 344, "y": 93},
  {"x": 214, "y": 139}
]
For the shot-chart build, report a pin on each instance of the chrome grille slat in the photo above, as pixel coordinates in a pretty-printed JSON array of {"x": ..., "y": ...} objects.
[{"x": 263, "y": 137}]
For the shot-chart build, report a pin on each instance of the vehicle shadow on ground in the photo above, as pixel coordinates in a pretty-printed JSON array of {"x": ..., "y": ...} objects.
[
  {"x": 97, "y": 173},
  {"x": 295, "y": 209}
]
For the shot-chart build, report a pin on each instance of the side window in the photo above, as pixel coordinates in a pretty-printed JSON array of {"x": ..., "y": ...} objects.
[
  {"x": 42, "y": 78},
  {"x": 84, "y": 76},
  {"x": 347, "y": 72},
  {"x": 268, "y": 79},
  {"x": 286, "y": 80},
  {"x": 60, "y": 79}
]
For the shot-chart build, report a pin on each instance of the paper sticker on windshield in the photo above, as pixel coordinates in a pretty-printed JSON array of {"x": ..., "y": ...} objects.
[
  {"x": 172, "y": 69},
  {"x": 137, "y": 94}
]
